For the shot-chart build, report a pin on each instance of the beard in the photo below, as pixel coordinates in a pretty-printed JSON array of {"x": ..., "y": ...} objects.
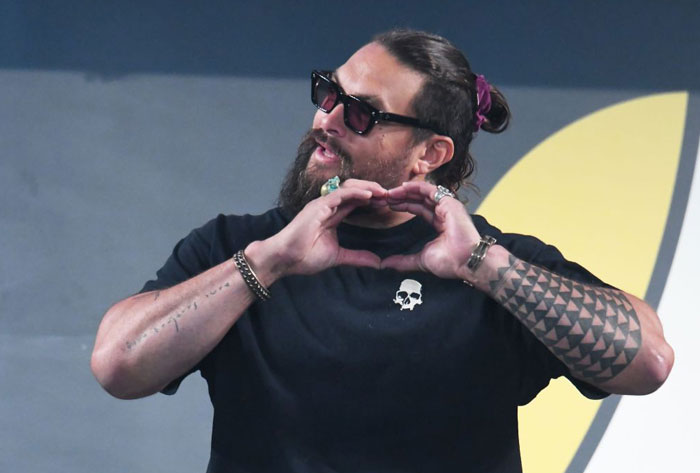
[{"x": 302, "y": 183}]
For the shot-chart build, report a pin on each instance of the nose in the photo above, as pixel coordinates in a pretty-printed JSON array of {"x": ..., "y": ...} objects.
[{"x": 332, "y": 122}]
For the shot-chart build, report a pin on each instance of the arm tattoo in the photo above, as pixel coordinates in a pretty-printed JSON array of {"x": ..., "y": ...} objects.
[
  {"x": 182, "y": 310},
  {"x": 593, "y": 330}
]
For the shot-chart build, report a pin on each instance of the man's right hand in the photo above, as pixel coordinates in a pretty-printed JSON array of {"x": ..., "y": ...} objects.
[{"x": 309, "y": 243}]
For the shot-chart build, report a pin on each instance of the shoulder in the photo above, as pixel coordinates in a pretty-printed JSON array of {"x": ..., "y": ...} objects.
[
  {"x": 212, "y": 243},
  {"x": 523, "y": 246},
  {"x": 223, "y": 235},
  {"x": 233, "y": 228}
]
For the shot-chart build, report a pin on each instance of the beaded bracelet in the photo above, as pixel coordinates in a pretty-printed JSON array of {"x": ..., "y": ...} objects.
[{"x": 249, "y": 276}]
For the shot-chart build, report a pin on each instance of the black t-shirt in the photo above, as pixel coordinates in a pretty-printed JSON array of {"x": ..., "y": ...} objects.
[{"x": 364, "y": 370}]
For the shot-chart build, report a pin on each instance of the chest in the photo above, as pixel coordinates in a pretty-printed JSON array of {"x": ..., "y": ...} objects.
[{"x": 384, "y": 326}]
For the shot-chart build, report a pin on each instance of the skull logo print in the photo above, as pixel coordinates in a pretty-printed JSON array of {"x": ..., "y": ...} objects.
[{"x": 409, "y": 294}]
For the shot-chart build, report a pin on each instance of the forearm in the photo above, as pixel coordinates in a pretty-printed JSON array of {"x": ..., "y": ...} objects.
[
  {"x": 606, "y": 337},
  {"x": 147, "y": 340}
]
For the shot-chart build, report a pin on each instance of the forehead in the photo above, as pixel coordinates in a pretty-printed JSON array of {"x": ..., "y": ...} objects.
[{"x": 373, "y": 73}]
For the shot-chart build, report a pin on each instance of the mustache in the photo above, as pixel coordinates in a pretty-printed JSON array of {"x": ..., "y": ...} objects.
[
  {"x": 302, "y": 182},
  {"x": 301, "y": 185}
]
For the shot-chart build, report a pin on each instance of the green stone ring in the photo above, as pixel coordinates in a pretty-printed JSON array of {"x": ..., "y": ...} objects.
[{"x": 331, "y": 185}]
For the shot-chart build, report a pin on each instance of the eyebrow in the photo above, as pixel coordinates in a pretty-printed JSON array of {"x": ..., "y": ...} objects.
[{"x": 373, "y": 100}]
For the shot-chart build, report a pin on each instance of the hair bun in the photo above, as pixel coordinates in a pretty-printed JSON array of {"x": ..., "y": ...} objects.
[{"x": 498, "y": 115}]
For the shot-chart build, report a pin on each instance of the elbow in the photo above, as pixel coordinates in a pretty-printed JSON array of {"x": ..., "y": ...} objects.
[
  {"x": 114, "y": 368},
  {"x": 665, "y": 358},
  {"x": 113, "y": 375},
  {"x": 659, "y": 367},
  {"x": 107, "y": 372}
]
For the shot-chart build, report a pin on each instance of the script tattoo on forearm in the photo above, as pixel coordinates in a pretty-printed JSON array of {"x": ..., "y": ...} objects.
[
  {"x": 174, "y": 317},
  {"x": 594, "y": 330}
]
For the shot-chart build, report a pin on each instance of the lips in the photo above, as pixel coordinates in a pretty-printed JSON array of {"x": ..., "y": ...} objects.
[{"x": 325, "y": 154}]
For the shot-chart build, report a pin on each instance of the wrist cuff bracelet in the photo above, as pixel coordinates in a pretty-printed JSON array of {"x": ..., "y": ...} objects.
[
  {"x": 479, "y": 253},
  {"x": 249, "y": 276}
]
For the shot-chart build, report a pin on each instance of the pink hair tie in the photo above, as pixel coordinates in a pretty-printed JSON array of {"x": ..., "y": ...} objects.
[{"x": 483, "y": 101}]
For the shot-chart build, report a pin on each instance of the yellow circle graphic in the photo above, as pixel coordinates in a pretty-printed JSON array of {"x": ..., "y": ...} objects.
[{"x": 600, "y": 190}]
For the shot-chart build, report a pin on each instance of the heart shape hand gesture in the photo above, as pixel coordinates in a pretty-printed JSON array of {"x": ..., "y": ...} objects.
[
  {"x": 445, "y": 256},
  {"x": 309, "y": 243}
]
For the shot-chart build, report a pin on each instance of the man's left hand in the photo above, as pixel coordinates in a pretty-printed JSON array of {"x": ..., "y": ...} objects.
[{"x": 446, "y": 256}]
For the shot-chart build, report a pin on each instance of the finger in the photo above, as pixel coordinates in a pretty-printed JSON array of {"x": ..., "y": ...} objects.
[
  {"x": 450, "y": 207},
  {"x": 324, "y": 208},
  {"x": 456, "y": 221},
  {"x": 378, "y": 192},
  {"x": 376, "y": 189},
  {"x": 400, "y": 193},
  {"x": 453, "y": 210},
  {"x": 416, "y": 208},
  {"x": 343, "y": 211},
  {"x": 411, "y": 196},
  {"x": 378, "y": 202},
  {"x": 422, "y": 187},
  {"x": 336, "y": 198},
  {"x": 403, "y": 262},
  {"x": 358, "y": 258},
  {"x": 414, "y": 190}
]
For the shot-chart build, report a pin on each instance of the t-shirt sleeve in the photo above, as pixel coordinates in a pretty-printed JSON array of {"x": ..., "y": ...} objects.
[
  {"x": 190, "y": 257},
  {"x": 541, "y": 364}
]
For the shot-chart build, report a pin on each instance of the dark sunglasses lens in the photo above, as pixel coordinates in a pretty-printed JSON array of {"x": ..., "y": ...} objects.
[
  {"x": 357, "y": 115},
  {"x": 325, "y": 95}
]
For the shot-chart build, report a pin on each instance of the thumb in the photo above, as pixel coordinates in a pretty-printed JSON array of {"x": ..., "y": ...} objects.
[
  {"x": 358, "y": 258},
  {"x": 403, "y": 262}
]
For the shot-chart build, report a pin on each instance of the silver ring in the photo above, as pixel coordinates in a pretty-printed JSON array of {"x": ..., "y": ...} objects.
[
  {"x": 442, "y": 192},
  {"x": 331, "y": 185}
]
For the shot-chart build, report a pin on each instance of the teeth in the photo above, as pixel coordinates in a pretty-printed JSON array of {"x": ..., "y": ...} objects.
[{"x": 328, "y": 154}]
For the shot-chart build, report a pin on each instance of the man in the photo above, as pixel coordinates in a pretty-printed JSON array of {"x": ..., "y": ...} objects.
[{"x": 336, "y": 333}]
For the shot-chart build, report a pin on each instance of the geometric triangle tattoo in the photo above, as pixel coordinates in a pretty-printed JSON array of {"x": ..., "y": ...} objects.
[{"x": 594, "y": 330}]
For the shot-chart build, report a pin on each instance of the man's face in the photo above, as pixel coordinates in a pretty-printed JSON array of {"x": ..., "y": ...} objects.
[{"x": 385, "y": 155}]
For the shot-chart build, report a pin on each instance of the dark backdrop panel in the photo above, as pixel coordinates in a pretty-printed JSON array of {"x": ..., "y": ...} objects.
[{"x": 630, "y": 44}]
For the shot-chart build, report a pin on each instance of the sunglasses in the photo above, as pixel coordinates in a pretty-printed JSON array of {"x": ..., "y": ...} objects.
[{"x": 358, "y": 115}]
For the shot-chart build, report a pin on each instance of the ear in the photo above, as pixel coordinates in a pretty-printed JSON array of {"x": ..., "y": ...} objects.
[{"x": 436, "y": 151}]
